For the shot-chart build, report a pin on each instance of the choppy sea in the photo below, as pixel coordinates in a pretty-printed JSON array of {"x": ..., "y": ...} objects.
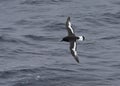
[{"x": 31, "y": 53}]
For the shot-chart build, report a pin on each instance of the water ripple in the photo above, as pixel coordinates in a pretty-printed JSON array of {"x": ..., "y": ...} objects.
[
  {"x": 7, "y": 39},
  {"x": 54, "y": 26},
  {"x": 7, "y": 29},
  {"x": 93, "y": 21},
  {"x": 111, "y": 18},
  {"x": 30, "y": 51},
  {"x": 110, "y": 37},
  {"x": 39, "y": 38},
  {"x": 23, "y": 22},
  {"x": 46, "y": 75},
  {"x": 41, "y": 2},
  {"x": 43, "y": 70}
]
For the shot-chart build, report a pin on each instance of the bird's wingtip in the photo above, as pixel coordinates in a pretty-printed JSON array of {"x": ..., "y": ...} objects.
[
  {"x": 77, "y": 60},
  {"x": 68, "y": 18}
]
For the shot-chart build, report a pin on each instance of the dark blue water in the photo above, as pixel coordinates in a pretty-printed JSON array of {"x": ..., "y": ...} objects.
[{"x": 31, "y": 53}]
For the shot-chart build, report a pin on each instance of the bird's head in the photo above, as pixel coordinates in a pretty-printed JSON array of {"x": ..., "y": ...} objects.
[{"x": 81, "y": 38}]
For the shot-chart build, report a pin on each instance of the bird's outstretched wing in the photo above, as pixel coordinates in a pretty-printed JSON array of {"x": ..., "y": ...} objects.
[
  {"x": 69, "y": 27},
  {"x": 73, "y": 49}
]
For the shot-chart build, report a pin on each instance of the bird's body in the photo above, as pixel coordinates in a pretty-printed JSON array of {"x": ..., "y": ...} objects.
[{"x": 72, "y": 38}]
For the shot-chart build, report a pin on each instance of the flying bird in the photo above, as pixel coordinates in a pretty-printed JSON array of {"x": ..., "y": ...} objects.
[{"x": 72, "y": 39}]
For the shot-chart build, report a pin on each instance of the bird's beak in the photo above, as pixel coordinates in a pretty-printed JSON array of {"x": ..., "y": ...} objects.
[{"x": 83, "y": 37}]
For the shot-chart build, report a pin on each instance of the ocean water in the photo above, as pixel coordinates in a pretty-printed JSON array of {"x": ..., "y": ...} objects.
[{"x": 31, "y": 53}]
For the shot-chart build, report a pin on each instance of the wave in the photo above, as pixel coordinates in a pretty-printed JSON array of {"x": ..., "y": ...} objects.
[
  {"x": 111, "y": 18},
  {"x": 39, "y": 2},
  {"x": 45, "y": 76},
  {"x": 7, "y": 29},
  {"x": 30, "y": 70},
  {"x": 23, "y": 22},
  {"x": 54, "y": 26},
  {"x": 39, "y": 38},
  {"x": 110, "y": 37},
  {"x": 7, "y": 39}
]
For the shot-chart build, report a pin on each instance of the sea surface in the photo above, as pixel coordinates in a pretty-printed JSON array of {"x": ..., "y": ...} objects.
[{"x": 31, "y": 53}]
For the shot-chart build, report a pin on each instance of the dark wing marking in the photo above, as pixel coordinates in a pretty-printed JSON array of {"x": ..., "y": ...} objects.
[
  {"x": 69, "y": 27},
  {"x": 73, "y": 49}
]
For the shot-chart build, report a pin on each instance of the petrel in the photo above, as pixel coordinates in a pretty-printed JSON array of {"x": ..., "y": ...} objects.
[{"x": 72, "y": 38}]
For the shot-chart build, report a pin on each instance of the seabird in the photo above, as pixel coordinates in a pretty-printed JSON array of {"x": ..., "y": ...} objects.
[{"x": 72, "y": 38}]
